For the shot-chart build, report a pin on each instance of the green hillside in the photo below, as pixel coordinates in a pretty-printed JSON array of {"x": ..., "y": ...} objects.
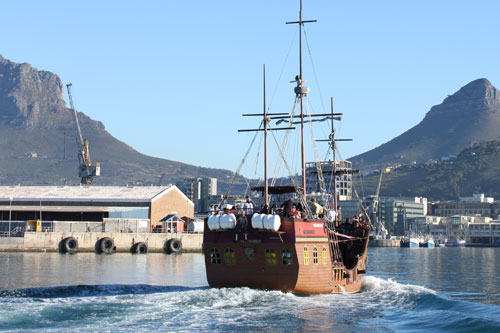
[{"x": 476, "y": 169}]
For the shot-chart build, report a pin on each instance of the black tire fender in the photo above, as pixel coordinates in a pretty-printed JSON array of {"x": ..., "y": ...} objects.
[
  {"x": 172, "y": 246},
  {"x": 106, "y": 245},
  {"x": 98, "y": 246},
  {"x": 139, "y": 248},
  {"x": 70, "y": 244}
]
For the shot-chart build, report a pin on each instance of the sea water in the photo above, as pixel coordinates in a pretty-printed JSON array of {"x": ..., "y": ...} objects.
[{"x": 441, "y": 289}]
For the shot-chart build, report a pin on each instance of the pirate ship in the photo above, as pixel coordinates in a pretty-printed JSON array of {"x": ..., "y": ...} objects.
[{"x": 279, "y": 249}]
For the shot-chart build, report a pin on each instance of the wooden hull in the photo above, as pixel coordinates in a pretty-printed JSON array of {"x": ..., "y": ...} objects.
[{"x": 295, "y": 259}]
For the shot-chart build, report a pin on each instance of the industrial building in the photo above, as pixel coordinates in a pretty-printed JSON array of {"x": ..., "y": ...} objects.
[
  {"x": 201, "y": 191},
  {"x": 478, "y": 204},
  {"x": 476, "y": 230},
  {"x": 393, "y": 213},
  {"x": 344, "y": 178},
  {"x": 92, "y": 203}
]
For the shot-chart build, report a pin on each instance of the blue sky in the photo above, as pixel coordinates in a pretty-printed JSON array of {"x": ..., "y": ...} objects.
[{"x": 172, "y": 78}]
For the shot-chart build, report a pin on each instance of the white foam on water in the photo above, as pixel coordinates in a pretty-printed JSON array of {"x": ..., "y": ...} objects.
[
  {"x": 202, "y": 309},
  {"x": 375, "y": 284}
]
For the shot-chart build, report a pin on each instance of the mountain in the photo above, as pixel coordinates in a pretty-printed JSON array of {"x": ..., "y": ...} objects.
[
  {"x": 475, "y": 169},
  {"x": 470, "y": 115},
  {"x": 37, "y": 138}
]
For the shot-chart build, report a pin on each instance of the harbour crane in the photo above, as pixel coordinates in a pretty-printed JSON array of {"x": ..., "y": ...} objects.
[
  {"x": 86, "y": 170},
  {"x": 374, "y": 209},
  {"x": 160, "y": 182}
]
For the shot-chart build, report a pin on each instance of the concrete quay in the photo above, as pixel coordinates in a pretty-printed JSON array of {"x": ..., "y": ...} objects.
[
  {"x": 384, "y": 243},
  {"x": 49, "y": 241}
]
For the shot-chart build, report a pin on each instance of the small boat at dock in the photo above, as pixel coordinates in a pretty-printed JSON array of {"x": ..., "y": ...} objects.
[
  {"x": 428, "y": 242},
  {"x": 410, "y": 242},
  {"x": 455, "y": 242}
]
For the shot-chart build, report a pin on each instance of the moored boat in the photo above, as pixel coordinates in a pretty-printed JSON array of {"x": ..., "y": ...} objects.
[
  {"x": 410, "y": 242},
  {"x": 455, "y": 242},
  {"x": 428, "y": 242}
]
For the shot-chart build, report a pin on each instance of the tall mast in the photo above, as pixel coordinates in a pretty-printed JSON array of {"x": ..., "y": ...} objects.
[
  {"x": 266, "y": 187},
  {"x": 265, "y": 128},
  {"x": 302, "y": 107},
  {"x": 334, "y": 116},
  {"x": 334, "y": 163},
  {"x": 300, "y": 92}
]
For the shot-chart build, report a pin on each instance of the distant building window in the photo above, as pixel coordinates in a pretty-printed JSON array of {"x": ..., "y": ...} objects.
[
  {"x": 324, "y": 256},
  {"x": 315, "y": 255},
  {"x": 286, "y": 257},
  {"x": 215, "y": 256},
  {"x": 270, "y": 257},
  {"x": 306, "y": 256},
  {"x": 229, "y": 256}
]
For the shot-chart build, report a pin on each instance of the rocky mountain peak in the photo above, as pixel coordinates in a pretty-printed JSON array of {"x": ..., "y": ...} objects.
[
  {"x": 472, "y": 114},
  {"x": 475, "y": 97},
  {"x": 28, "y": 97},
  {"x": 478, "y": 89}
]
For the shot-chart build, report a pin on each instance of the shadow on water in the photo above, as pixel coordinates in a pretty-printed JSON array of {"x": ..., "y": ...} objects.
[{"x": 93, "y": 290}]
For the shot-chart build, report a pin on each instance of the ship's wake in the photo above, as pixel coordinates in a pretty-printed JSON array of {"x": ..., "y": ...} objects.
[{"x": 383, "y": 304}]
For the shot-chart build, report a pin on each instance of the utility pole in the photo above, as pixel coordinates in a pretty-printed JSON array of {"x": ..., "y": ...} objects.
[{"x": 10, "y": 212}]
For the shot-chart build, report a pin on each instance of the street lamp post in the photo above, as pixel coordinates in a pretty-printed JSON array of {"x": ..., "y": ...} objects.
[{"x": 10, "y": 212}]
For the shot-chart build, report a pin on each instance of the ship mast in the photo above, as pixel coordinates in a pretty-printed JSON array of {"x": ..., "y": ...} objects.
[
  {"x": 265, "y": 129},
  {"x": 266, "y": 186},
  {"x": 301, "y": 91},
  {"x": 332, "y": 137},
  {"x": 334, "y": 116}
]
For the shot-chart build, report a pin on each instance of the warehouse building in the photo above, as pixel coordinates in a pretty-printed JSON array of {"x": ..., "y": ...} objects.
[{"x": 92, "y": 203}]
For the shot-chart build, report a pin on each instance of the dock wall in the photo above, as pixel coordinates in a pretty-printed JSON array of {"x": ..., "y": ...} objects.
[
  {"x": 384, "y": 243},
  {"x": 49, "y": 241}
]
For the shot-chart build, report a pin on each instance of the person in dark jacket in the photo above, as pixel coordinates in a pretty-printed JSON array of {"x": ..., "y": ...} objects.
[{"x": 287, "y": 207}]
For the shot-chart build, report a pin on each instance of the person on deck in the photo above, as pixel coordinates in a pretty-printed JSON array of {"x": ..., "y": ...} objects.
[
  {"x": 226, "y": 209},
  {"x": 299, "y": 207},
  {"x": 242, "y": 226},
  {"x": 295, "y": 213},
  {"x": 331, "y": 214},
  {"x": 316, "y": 209},
  {"x": 287, "y": 207},
  {"x": 249, "y": 206},
  {"x": 264, "y": 209}
]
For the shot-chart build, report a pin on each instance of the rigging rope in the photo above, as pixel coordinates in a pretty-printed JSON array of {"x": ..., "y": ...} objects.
[
  {"x": 361, "y": 206},
  {"x": 285, "y": 142},
  {"x": 224, "y": 196},
  {"x": 305, "y": 206},
  {"x": 314, "y": 70},
  {"x": 258, "y": 155},
  {"x": 283, "y": 68},
  {"x": 319, "y": 170}
]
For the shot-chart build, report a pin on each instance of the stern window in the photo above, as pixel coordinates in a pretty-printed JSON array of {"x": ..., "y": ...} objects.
[
  {"x": 229, "y": 256},
  {"x": 324, "y": 256},
  {"x": 315, "y": 255},
  {"x": 286, "y": 257},
  {"x": 306, "y": 256},
  {"x": 215, "y": 256},
  {"x": 270, "y": 257}
]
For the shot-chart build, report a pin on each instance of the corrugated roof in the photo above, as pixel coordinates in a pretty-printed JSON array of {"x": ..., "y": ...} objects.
[{"x": 82, "y": 193}]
